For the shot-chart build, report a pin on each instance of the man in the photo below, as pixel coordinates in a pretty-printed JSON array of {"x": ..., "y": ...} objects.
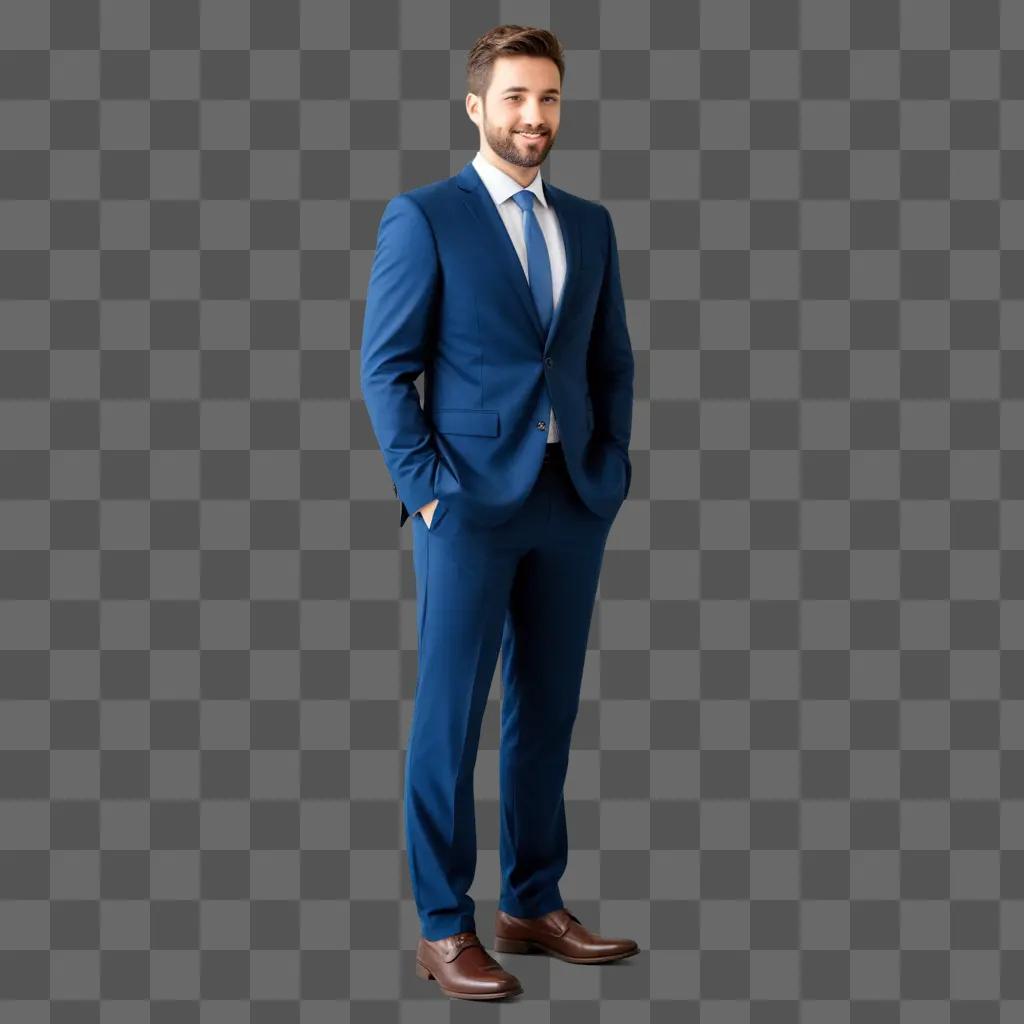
[{"x": 505, "y": 293}]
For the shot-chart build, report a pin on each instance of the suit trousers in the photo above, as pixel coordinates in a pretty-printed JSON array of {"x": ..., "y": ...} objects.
[{"x": 525, "y": 587}]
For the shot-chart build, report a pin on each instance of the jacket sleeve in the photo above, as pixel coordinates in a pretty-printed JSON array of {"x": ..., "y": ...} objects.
[
  {"x": 610, "y": 359},
  {"x": 398, "y": 330}
]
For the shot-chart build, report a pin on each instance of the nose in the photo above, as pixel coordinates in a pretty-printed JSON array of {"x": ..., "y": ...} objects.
[{"x": 532, "y": 115}]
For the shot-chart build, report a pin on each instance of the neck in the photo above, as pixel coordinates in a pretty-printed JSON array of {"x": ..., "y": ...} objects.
[{"x": 522, "y": 175}]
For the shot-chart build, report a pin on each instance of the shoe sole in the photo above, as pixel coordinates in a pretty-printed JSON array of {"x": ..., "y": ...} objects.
[
  {"x": 424, "y": 973},
  {"x": 527, "y": 946}
]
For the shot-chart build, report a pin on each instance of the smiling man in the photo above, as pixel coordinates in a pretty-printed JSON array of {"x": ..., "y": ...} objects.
[
  {"x": 505, "y": 293},
  {"x": 516, "y": 134}
]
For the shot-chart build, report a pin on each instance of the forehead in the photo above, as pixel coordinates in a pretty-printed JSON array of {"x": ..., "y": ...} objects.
[{"x": 536, "y": 74}]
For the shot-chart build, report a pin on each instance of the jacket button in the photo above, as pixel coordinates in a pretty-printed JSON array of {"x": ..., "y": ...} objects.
[{"x": 541, "y": 425}]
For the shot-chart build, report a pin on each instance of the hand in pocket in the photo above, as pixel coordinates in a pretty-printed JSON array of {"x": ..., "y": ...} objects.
[{"x": 427, "y": 512}]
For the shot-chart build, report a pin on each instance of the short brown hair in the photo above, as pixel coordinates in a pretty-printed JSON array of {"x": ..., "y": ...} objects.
[{"x": 510, "y": 41}]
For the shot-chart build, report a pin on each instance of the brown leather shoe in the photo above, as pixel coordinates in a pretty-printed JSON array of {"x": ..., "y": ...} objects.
[
  {"x": 558, "y": 933},
  {"x": 463, "y": 968}
]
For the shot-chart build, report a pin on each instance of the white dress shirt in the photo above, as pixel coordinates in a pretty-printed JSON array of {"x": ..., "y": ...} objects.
[{"x": 501, "y": 188}]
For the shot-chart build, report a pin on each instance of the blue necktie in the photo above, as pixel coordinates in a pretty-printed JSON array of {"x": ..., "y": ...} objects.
[{"x": 537, "y": 261}]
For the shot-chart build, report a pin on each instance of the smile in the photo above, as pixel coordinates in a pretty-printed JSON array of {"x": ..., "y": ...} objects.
[{"x": 531, "y": 135}]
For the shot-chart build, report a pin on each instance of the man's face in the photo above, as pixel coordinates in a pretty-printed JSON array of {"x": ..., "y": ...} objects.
[{"x": 524, "y": 96}]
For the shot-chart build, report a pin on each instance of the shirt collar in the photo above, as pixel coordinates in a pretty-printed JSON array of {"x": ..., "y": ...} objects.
[{"x": 500, "y": 185}]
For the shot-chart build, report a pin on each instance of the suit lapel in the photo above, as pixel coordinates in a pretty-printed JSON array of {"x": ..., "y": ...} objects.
[
  {"x": 479, "y": 203},
  {"x": 571, "y": 241}
]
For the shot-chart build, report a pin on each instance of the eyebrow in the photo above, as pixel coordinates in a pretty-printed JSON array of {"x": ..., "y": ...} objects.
[{"x": 522, "y": 88}]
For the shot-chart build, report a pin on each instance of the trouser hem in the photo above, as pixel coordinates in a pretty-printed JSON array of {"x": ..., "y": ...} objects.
[
  {"x": 537, "y": 908},
  {"x": 439, "y": 927}
]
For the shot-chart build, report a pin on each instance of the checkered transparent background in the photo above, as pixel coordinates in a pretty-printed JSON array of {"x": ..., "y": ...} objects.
[{"x": 797, "y": 769}]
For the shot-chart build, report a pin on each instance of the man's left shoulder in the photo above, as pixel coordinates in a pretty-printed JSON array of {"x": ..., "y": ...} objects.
[
  {"x": 587, "y": 212},
  {"x": 579, "y": 203}
]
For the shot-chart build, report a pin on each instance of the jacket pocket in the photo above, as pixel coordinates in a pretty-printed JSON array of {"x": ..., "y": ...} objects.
[{"x": 483, "y": 422}]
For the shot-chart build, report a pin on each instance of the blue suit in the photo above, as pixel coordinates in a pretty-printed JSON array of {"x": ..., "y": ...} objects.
[{"x": 512, "y": 556}]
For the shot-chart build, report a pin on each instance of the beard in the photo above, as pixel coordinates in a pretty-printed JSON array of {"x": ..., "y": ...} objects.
[{"x": 515, "y": 148}]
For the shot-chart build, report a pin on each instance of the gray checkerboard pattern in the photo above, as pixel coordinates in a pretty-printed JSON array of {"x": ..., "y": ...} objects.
[{"x": 797, "y": 769}]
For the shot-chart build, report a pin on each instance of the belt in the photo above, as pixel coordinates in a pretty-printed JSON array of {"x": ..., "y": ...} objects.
[{"x": 553, "y": 451}]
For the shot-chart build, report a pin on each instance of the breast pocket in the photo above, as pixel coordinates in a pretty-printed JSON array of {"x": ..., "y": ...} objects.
[{"x": 483, "y": 422}]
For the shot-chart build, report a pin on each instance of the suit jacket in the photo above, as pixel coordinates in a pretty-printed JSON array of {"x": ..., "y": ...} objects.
[{"x": 448, "y": 298}]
